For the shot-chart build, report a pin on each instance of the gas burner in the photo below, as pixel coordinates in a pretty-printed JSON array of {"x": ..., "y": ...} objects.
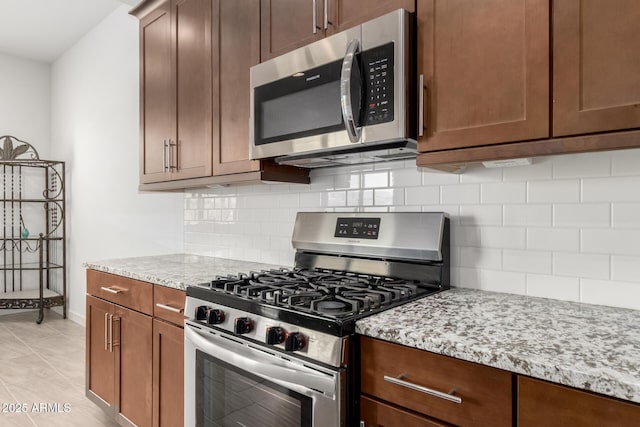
[{"x": 331, "y": 306}]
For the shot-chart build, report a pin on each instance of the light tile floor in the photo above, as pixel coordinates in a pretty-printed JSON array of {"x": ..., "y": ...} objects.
[{"x": 44, "y": 364}]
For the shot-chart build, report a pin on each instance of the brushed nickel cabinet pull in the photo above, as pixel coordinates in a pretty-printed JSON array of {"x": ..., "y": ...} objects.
[
  {"x": 111, "y": 333},
  {"x": 164, "y": 155},
  {"x": 399, "y": 381},
  {"x": 168, "y": 307},
  {"x": 111, "y": 290},
  {"x": 106, "y": 331},
  {"x": 314, "y": 14},
  {"x": 326, "y": 14},
  {"x": 421, "y": 100}
]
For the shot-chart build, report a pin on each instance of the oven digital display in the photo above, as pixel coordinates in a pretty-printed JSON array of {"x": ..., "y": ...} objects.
[{"x": 358, "y": 228}]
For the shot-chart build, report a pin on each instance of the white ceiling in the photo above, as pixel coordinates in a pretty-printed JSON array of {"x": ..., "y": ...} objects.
[{"x": 42, "y": 30}]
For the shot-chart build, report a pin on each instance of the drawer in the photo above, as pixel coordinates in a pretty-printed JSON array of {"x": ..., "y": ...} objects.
[
  {"x": 485, "y": 392},
  {"x": 376, "y": 414},
  {"x": 129, "y": 293},
  {"x": 168, "y": 304}
]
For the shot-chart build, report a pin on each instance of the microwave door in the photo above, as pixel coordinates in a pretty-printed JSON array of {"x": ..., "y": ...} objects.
[{"x": 351, "y": 91}]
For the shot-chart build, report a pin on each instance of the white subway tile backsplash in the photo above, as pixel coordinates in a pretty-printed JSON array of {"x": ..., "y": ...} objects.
[
  {"x": 480, "y": 258},
  {"x": 604, "y": 292},
  {"x": 388, "y": 197},
  {"x": 422, "y": 195},
  {"x": 559, "y": 228},
  {"x": 625, "y": 162},
  {"x": 526, "y": 261},
  {"x": 405, "y": 178},
  {"x": 617, "y": 242},
  {"x": 546, "y": 286},
  {"x": 625, "y": 189},
  {"x": 481, "y": 215},
  {"x": 556, "y": 191},
  {"x": 625, "y": 268},
  {"x": 626, "y": 215},
  {"x": 581, "y": 165},
  {"x": 503, "y": 237},
  {"x": 527, "y": 215},
  {"x": 582, "y": 215},
  {"x": 503, "y": 192},
  {"x": 590, "y": 266},
  {"x": 462, "y": 194},
  {"x": 376, "y": 180}
]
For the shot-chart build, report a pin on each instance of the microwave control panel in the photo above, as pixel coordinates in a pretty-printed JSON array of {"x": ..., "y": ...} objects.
[
  {"x": 358, "y": 228},
  {"x": 377, "y": 64}
]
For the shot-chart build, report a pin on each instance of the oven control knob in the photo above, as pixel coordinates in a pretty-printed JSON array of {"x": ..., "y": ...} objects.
[
  {"x": 201, "y": 312},
  {"x": 215, "y": 316},
  {"x": 275, "y": 335},
  {"x": 243, "y": 325},
  {"x": 295, "y": 341}
]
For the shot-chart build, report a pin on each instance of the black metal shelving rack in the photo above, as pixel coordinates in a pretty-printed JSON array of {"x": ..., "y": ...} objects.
[{"x": 32, "y": 267}]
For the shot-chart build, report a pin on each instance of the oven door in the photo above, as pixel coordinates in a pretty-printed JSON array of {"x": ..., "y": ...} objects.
[{"x": 231, "y": 382}]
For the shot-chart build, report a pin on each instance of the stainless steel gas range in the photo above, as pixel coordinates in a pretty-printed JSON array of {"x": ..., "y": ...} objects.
[{"x": 276, "y": 348}]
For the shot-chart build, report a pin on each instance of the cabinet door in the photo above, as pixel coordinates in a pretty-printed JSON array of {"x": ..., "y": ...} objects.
[
  {"x": 288, "y": 24},
  {"x": 545, "y": 404},
  {"x": 99, "y": 355},
  {"x": 239, "y": 48},
  {"x": 168, "y": 374},
  {"x": 596, "y": 66},
  {"x": 157, "y": 93},
  {"x": 133, "y": 343},
  {"x": 486, "y": 71},
  {"x": 377, "y": 414},
  {"x": 345, "y": 14},
  {"x": 192, "y": 29}
]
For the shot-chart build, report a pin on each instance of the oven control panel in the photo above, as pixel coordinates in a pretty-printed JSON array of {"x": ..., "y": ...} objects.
[{"x": 358, "y": 228}]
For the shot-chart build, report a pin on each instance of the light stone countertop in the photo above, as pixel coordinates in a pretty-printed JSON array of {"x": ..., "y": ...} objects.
[
  {"x": 590, "y": 347},
  {"x": 175, "y": 270}
]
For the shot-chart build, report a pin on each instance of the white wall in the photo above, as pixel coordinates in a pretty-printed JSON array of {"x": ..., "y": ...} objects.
[
  {"x": 25, "y": 102},
  {"x": 566, "y": 227},
  {"x": 95, "y": 129}
]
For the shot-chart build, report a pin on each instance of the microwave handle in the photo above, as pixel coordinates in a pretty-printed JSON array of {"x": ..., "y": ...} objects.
[{"x": 345, "y": 91}]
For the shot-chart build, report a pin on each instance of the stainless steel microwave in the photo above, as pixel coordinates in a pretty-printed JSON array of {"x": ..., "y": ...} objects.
[{"x": 341, "y": 100}]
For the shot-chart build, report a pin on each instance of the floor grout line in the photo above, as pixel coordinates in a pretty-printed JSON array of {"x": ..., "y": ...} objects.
[{"x": 16, "y": 400}]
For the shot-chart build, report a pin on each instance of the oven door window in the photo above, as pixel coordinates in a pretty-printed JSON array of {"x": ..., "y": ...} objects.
[{"x": 228, "y": 396}]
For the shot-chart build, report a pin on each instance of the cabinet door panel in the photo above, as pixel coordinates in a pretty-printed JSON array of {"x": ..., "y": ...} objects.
[
  {"x": 193, "y": 73},
  {"x": 378, "y": 414},
  {"x": 133, "y": 340},
  {"x": 545, "y": 404},
  {"x": 239, "y": 44},
  {"x": 168, "y": 374},
  {"x": 157, "y": 92},
  {"x": 100, "y": 360},
  {"x": 345, "y": 14},
  {"x": 288, "y": 24},
  {"x": 596, "y": 66},
  {"x": 486, "y": 70}
]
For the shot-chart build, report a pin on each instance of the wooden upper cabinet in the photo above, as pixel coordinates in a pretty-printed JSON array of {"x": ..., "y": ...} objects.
[
  {"x": 175, "y": 91},
  {"x": 596, "y": 66},
  {"x": 289, "y": 24},
  {"x": 345, "y": 14},
  {"x": 157, "y": 92},
  {"x": 486, "y": 71},
  {"x": 193, "y": 76},
  {"x": 237, "y": 40}
]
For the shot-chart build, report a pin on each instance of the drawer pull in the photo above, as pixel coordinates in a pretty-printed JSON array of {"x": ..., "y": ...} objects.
[
  {"x": 399, "y": 381},
  {"x": 168, "y": 307},
  {"x": 112, "y": 290}
]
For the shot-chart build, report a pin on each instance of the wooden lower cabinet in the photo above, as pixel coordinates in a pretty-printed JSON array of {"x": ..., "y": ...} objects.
[
  {"x": 541, "y": 403},
  {"x": 134, "y": 361},
  {"x": 377, "y": 414},
  {"x": 168, "y": 374},
  {"x": 485, "y": 392}
]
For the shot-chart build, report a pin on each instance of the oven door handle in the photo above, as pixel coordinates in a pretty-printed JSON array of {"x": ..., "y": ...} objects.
[{"x": 260, "y": 365}]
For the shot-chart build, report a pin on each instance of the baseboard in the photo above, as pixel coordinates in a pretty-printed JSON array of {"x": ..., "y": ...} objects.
[{"x": 76, "y": 318}]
